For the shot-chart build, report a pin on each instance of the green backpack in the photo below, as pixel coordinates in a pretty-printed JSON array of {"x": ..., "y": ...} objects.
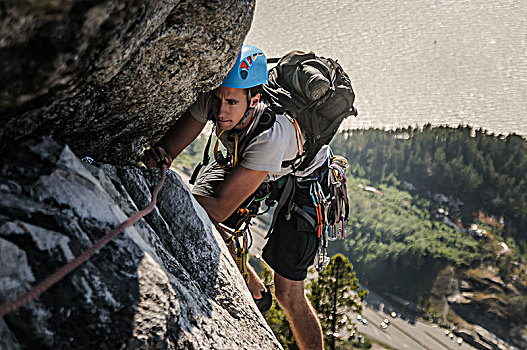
[{"x": 316, "y": 92}]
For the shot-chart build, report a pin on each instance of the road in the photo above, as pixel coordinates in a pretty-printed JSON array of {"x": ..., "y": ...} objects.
[{"x": 403, "y": 334}]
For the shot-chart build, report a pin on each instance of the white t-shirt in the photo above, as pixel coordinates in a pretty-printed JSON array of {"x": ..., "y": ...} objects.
[{"x": 269, "y": 149}]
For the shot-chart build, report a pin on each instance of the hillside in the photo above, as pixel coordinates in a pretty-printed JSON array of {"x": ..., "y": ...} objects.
[{"x": 437, "y": 219}]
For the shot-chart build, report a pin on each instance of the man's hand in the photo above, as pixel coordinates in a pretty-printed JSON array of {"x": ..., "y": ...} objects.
[{"x": 156, "y": 157}]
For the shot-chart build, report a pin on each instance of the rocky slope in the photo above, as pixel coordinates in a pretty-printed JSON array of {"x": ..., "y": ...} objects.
[
  {"x": 479, "y": 301},
  {"x": 165, "y": 283},
  {"x": 106, "y": 78}
]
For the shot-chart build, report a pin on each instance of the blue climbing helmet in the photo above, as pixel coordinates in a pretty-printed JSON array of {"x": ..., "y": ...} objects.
[{"x": 249, "y": 70}]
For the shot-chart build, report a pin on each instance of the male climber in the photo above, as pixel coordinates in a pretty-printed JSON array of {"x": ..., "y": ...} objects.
[{"x": 237, "y": 106}]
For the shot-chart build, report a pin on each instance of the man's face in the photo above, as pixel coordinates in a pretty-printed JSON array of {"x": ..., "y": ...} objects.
[{"x": 229, "y": 106}]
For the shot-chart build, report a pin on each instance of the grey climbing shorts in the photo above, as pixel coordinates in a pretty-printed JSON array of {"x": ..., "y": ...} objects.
[{"x": 208, "y": 181}]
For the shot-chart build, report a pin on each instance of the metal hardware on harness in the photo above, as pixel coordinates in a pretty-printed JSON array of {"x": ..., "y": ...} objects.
[
  {"x": 240, "y": 250},
  {"x": 227, "y": 164},
  {"x": 329, "y": 209},
  {"x": 238, "y": 242},
  {"x": 320, "y": 203},
  {"x": 339, "y": 197}
]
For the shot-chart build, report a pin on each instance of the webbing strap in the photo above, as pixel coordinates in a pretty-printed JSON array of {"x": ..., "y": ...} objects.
[
  {"x": 304, "y": 214},
  {"x": 346, "y": 200},
  {"x": 287, "y": 192}
]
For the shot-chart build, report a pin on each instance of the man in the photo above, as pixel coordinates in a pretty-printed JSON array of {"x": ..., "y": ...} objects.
[{"x": 237, "y": 106}]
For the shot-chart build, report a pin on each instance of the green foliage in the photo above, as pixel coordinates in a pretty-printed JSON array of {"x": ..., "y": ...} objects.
[
  {"x": 334, "y": 295},
  {"x": 485, "y": 171},
  {"x": 193, "y": 154},
  {"x": 395, "y": 241},
  {"x": 354, "y": 344}
]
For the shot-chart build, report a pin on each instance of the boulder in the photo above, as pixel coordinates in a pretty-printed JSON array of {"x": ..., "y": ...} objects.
[
  {"x": 109, "y": 77},
  {"x": 168, "y": 282},
  {"x": 472, "y": 338}
]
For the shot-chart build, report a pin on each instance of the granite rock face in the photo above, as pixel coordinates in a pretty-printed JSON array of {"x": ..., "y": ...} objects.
[
  {"x": 108, "y": 77},
  {"x": 164, "y": 283}
]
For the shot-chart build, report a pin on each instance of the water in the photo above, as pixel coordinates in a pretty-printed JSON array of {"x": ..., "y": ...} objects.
[{"x": 413, "y": 62}]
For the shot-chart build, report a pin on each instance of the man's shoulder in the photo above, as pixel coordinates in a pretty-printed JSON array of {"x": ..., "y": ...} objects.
[
  {"x": 277, "y": 135},
  {"x": 281, "y": 128}
]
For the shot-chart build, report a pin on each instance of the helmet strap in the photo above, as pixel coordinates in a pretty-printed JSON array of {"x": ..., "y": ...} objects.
[{"x": 249, "y": 112}]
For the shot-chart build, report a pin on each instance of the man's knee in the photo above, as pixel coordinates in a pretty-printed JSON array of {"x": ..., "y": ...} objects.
[
  {"x": 282, "y": 295},
  {"x": 289, "y": 293}
]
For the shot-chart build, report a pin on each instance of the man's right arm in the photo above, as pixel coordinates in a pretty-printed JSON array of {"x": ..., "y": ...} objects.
[{"x": 178, "y": 137}]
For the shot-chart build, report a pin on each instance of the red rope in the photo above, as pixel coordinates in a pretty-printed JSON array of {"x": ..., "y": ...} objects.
[{"x": 88, "y": 253}]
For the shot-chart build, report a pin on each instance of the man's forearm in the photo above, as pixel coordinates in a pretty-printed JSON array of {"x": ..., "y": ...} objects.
[
  {"x": 214, "y": 208},
  {"x": 238, "y": 185}
]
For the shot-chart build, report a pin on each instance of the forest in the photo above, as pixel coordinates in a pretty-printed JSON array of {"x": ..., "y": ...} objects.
[
  {"x": 419, "y": 202},
  {"x": 485, "y": 172},
  {"x": 416, "y": 193}
]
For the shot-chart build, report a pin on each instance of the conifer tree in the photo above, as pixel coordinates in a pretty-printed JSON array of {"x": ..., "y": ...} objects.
[{"x": 334, "y": 295}]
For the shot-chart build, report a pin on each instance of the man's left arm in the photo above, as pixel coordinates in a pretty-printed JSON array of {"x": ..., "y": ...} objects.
[{"x": 237, "y": 187}]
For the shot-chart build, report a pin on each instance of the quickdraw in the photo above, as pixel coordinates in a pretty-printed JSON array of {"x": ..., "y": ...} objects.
[
  {"x": 320, "y": 202},
  {"x": 240, "y": 249},
  {"x": 338, "y": 192},
  {"x": 239, "y": 242},
  {"x": 329, "y": 208},
  {"x": 229, "y": 163}
]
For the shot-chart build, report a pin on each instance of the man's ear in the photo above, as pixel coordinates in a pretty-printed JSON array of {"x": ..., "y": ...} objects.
[{"x": 254, "y": 100}]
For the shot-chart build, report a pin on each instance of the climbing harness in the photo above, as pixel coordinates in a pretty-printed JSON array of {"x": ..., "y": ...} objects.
[
  {"x": 239, "y": 239},
  {"x": 330, "y": 208},
  {"x": 88, "y": 253}
]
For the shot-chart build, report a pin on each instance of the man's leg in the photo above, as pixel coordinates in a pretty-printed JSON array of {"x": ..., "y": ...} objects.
[{"x": 301, "y": 315}]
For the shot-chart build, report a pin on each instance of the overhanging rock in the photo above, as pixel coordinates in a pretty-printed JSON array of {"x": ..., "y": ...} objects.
[
  {"x": 108, "y": 77},
  {"x": 165, "y": 283}
]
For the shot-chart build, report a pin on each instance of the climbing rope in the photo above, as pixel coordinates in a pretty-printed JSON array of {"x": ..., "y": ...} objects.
[{"x": 88, "y": 253}]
